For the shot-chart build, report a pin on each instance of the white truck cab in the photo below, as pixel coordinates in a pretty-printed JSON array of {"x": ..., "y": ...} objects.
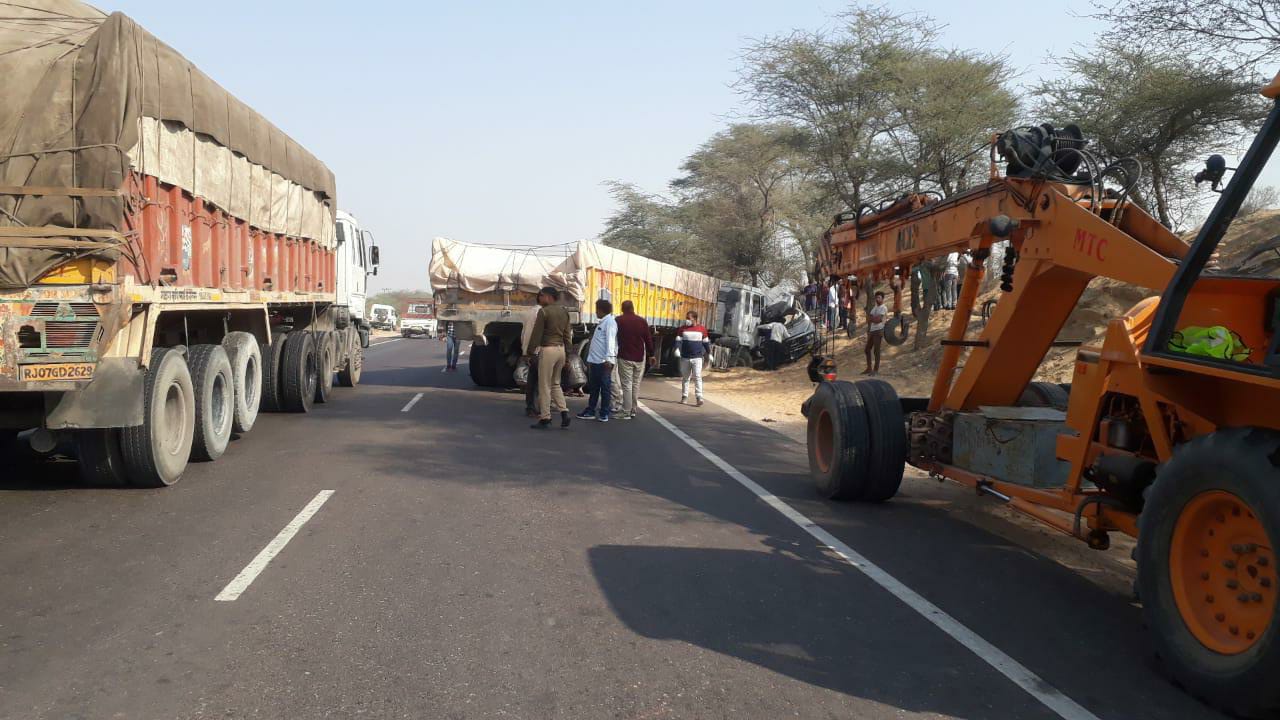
[{"x": 357, "y": 259}]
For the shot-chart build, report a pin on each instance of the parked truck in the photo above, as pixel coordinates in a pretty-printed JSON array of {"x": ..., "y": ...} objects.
[
  {"x": 419, "y": 318},
  {"x": 489, "y": 294},
  {"x": 170, "y": 262}
]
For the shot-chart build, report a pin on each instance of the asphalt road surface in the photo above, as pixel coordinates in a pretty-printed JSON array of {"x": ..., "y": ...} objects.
[{"x": 444, "y": 561}]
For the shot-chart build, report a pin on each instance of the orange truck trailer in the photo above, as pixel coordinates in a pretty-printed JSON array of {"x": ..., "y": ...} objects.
[
  {"x": 1169, "y": 431},
  {"x": 170, "y": 262}
]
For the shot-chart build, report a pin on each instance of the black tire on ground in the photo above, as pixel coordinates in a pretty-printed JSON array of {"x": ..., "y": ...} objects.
[
  {"x": 298, "y": 376},
  {"x": 898, "y": 330},
  {"x": 1238, "y": 464},
  {"x": 324, "y": 366},
  {"x": 246, "y": 371},
  {"x": 838, "y": 440},
  {"x": 214, "y": 384},
  {"x": 742, "y": 358},
  {"x": 1044, "y": 394},
  {"x": 352, "y": 367},
  {"x": 479, "y": 366},
  {"x": 101, "y": 458},
  {"x": 887, "y": 429},
  {"x": 157, "y": 451},
  {"x": 272, "y": 364}
]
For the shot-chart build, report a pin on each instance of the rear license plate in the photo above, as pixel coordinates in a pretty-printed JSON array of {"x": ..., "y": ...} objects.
[{"x": 56, "y": 371}]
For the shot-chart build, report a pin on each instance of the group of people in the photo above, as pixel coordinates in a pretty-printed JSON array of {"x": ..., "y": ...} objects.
[
  {"x": 621, "y": 349},
  {"x": 835, "y": 299}
]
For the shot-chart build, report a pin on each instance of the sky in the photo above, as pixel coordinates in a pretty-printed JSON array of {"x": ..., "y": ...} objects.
[{"x": 500, "y": 122}]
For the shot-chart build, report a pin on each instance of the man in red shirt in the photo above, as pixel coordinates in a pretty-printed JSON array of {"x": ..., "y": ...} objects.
[{"x": 635, "y": 352}]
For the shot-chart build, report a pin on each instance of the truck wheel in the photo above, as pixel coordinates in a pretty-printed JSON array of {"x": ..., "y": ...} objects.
[
  {"x": 475, "y": 364},
  {"x": 887, "y": 429},
  {"x": 156, "y": 452},
  {"x": 897, "y": 330},
  {"x": 1207, "y": 569},
  {"x": 214, "y": 384},
  {"x": 324, "y": 366},
  {"x": 1044, "y": 394},
  {"x": 838, "y": 440},
  {"x": 101, "y": 458},
  {"x": 298, "y": 374},
  {"x": 272, "y": 365},
  {"x": 349, "y": 375},
  {"x": 246, "y": 372}
]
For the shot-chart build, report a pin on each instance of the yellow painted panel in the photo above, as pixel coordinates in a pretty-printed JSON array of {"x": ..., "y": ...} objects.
[{"x": 81, "y": 272}]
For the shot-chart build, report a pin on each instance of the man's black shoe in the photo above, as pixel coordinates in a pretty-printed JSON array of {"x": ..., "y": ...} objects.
[
  {"x": 564, "y": 419},
  {"x": 541, "y": 425}
]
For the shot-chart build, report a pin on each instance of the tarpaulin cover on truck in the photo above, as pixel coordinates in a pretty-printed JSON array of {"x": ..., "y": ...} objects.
[
  {"x": 87, "y": 97},
  {"x": 480, "y": 269}
]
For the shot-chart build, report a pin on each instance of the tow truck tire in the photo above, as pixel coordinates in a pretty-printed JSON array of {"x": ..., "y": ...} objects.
[
  {"x": 349, "y": 375},
  {"x": 272, "y": 363},
  {"x": 325, "y": 366},
  {"x": 1044, "y": 394},
  {"x": 298, "y": 376},
  {"x": 1207, "y": 543},
  {"x": 214, "y": 383},
  {"x": 157, "y": 451},
  {"x": 246, "y": 370},
  {"x": 887, "y": 429},
  {"x": 838, "y": 440},
  {"x": 898, "y": 330},
  {"x": 101, "y": 458}
]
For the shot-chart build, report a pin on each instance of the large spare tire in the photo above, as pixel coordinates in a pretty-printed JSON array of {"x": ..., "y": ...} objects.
[{"x": 838, "y": 442}]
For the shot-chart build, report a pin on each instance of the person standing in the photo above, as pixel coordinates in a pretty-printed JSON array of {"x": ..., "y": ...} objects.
[
  {"x": 602, "y": 355},
  {"x": 635, "y": 353},
  {"x": 450, "y": 338},
  {"x": 531, "y": 380},
  {"x": 833, "y": 304},
  {"x": 811, "y": 296},
  {"x": 550, "y": 340},
  {"x": 695, "y": 346},
  {"x": 775, "y": 352},
  {"x": 876, "y": 318},
  {"x": 950, "y": 278}
]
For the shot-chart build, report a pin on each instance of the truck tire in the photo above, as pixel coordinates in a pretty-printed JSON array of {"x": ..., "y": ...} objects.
[
  {"x": 364, "y": 338},
  {"x": 838, "y": 440},
  {"x": 101, "y": 458},
  {"x": 246, "y": 371},
  {"x": 324, "y": 366},
  {"x": 1044, "y": 394},
  {"x": 898, "y": 330},
  {"x": 1207, "y": 570},
  {"x": 272, "y": 364},
  {"x": 157, "y": 451},
  {"x": 742, "y": 358},
  {"x": 887, "y": 428},
  {"x": 298, "y": 375},
  {"x": 349, "y": 374},
  {"x": 475, "y": 364},
  {"x": 214, "y": 384}
]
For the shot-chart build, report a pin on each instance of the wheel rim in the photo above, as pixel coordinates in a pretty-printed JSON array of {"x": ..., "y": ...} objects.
[
  {"x": 218, "y": 404},
  {"x": 1222, "y": 569},
  {"x": 825, "y": 441},
  {"x": 312, "y": 373},
  {"x": 175, "y": 420},
  {"x": 251, "y": 383}
]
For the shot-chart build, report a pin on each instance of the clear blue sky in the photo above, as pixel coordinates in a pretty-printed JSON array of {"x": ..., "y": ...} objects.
[{"x": 500, "y": 123}]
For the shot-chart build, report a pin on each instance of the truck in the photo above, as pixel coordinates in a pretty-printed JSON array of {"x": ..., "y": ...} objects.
[
  {"x": 1168, "y": 431},
  {"x": 488, "y": 294},
  {"x": 419, "y": 318},
  {"x": 383, "y": 317},
  {"x": 171, "y": 263}
]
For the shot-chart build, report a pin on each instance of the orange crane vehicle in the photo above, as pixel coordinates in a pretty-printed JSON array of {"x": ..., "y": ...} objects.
[{"x": 1169, "y": 431}]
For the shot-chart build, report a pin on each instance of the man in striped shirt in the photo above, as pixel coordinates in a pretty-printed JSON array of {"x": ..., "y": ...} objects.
[{"x": 694, "y": 346}]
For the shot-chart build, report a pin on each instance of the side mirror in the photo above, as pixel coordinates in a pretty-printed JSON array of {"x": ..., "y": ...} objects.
[
  {"x": 1214, "y": 168},
  {"x": 375, "y": 256}
]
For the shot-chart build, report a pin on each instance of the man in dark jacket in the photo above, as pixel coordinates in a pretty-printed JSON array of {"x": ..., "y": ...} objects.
[
  {"x": 694, "y": 346},
  {"x": 635, "y": 353}
]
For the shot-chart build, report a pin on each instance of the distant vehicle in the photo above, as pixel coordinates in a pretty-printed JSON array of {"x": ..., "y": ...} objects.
[
  {"x": 419, "y": 319},
  {"x": 383, "y": 317}
]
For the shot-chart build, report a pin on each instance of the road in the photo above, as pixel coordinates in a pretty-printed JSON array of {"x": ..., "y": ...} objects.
[{"x": 465, "y": 566}]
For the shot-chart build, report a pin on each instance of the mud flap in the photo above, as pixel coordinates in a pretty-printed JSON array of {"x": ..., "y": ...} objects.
[{"x": 112, "y": 399}]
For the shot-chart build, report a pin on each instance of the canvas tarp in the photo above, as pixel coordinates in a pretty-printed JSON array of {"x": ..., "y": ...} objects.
[
  {"x": 480, "y": 269},
  {"x": 86, "y": 97}
]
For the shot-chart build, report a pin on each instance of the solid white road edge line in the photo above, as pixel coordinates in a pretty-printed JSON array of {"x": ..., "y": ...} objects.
[
  {"x": 273, "y": 548},
  {"x": 1024, "y": 678},
  {"x": 384, "y": 342},
  {"x": 409, "y": 406}
]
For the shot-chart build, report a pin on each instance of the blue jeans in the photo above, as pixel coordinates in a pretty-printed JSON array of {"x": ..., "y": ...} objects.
[
  {"x": 450, "y": 352},
  {"x": 601, "y": 382}
]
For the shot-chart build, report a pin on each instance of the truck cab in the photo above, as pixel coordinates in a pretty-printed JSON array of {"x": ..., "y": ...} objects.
[
  {"x": 419, "y": 319},
  {"x": 357, "y": 258}
]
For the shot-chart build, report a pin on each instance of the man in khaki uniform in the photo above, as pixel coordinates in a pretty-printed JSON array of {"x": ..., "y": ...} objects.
[{"x": 550, "y": 340}]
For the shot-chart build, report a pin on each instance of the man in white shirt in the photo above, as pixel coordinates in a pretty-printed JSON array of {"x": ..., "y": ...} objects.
[
  {"x": 876, "y": 318},
  {"x": 602, "y": 356},
  {"x": 774, "y": 334},
  {"x": 833, "y": 304},
  {"x": 950, "y": 275}
]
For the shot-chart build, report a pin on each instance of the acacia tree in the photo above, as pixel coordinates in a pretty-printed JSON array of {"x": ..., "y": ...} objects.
[
  {"x": 651, "y": 226},
  {"x": 1164, "y": 109},
  {"x": 1248, "y": 31}
]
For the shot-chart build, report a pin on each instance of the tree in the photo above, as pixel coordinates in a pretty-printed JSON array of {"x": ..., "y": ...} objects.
[
  {"x": 836, "y": 89},
  {"x": 730, "y": 193},
  {"x": 1260, "y": 198},
  {"x": 1246, "y": 30},
  {"x": 1162, "y": 108},
  {"x": 651, "y": 226}
]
